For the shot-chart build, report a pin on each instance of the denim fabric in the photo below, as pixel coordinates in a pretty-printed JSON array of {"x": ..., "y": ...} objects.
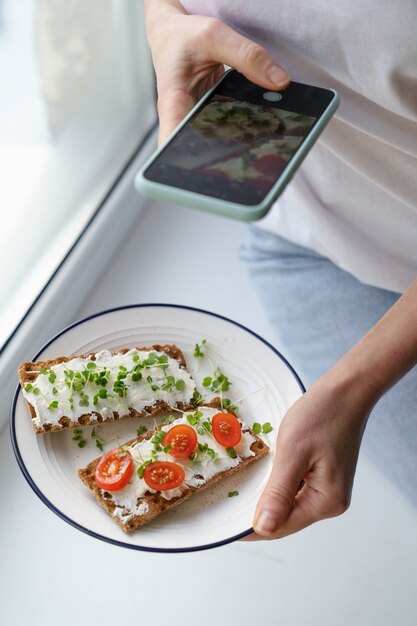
[{"x": 319, "y": 312}]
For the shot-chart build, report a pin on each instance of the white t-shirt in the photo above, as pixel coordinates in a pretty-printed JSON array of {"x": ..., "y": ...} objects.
[{"x": 354, "y": 198}]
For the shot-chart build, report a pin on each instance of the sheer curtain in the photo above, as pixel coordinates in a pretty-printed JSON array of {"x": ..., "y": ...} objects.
[{"x": 77, "y": 99}]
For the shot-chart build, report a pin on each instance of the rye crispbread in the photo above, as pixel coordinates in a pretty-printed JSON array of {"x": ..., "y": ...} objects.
[
  {"x": 156, "y": 503},
  {"x": 29, "y": 371}
]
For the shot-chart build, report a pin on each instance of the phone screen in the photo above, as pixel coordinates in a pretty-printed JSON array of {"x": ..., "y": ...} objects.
[{"x": 234, "y": 148}]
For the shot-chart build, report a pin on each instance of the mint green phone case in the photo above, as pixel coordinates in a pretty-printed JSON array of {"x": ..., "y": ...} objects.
[{"x": 167, "y": 193}]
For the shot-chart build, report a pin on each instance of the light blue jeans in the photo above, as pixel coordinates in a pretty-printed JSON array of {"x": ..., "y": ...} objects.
[{"x": 319, "y": 312}]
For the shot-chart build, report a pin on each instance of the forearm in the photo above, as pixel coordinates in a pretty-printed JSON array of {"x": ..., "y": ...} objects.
[{"x": 385, "y": 354}]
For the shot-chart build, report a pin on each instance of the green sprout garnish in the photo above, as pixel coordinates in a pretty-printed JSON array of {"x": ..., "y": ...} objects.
[
  {"x": 232, "y": 453},
  {"x": 193, "y": 418},
  {"x": 157, "y": 440},
  {"x": 204, "y": 428},
  {"x": 100, "y": 443},
  {"x": 142, "y": 430},
  {"x": 197, "y": 398},
  {"x": 198, "y": 352},
  {"x": 227, "y": 404},
  {"x": 202, "y": 450},
  {"x": 232, "y": 494},
  {"x": 219, "y": 381},
  {"x": 141, "y": 468},
  {"x": 77, "y": 436},
  {"x": 102, "y": 393},
  {"x": 84, "y": 399},
  {"x": 168, "y": 419},
  {"x": 264, "y": 428}
]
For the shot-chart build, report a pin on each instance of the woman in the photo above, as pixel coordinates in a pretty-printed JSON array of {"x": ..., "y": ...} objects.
[{"x": 333, "y": 256}]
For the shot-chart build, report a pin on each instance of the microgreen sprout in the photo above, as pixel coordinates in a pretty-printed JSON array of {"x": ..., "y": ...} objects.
[
  {"x": 84, "y": 399},
  {"x": 77, "y": 435},
  {"x": 53, "y": 405},
  {"x": 155, "y": 360},
  {"x": 197, "y": 398},
  {"x": 168, "y": 419},
  {"x": 102, "y": 393},
  {"x": 193, "y": 418},
  {"x": 227, "y": 404},
  {"x": 198, "y": 352},
  {"x": 157, "y": 440},
  {"x": 202, "y": 450},
  {"x": 232, "y": 494},
  {"x": 232, "y": 453},
  {"x": 218, "y": 382},
  {"x": 264, "y": 428},
  {"x": 141, "y": 467},
  {"x": 204, "y": 428},
  {"x": 100, "y": 443},
  {"x": 120, "y": 388},
  {"x": 142, "y": 430}
]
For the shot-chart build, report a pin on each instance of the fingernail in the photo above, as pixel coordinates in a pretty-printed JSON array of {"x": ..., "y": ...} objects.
[
  {"x": 278, "y": 76},
  {"x": 266, "y": 523}
]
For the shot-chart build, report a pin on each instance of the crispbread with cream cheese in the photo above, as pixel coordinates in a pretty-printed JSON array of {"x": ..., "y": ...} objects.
[
  {"x": 160, "y": 397},
  {"x": 148, "y": 504}
]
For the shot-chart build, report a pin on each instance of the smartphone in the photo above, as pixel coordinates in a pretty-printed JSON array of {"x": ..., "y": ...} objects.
[{"x": 238, "y": 148}]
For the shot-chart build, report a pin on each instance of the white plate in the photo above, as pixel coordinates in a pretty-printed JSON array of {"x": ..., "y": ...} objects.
[{"x": 49, "y": 462}]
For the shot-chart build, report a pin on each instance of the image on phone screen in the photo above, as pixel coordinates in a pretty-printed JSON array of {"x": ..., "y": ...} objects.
[{"x": 232, "y": 149}]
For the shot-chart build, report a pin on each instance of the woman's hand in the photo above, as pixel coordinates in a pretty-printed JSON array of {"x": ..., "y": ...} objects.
[
  {"x": 315, "y": 460},
  {"x": 319, "y": 438},
  {"x": 188, "y": 53}
]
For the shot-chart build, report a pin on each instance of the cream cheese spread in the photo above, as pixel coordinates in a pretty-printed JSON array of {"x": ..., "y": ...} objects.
[
  {"x": 130, "y": 499},
  {"x": 106, "y": 384}
]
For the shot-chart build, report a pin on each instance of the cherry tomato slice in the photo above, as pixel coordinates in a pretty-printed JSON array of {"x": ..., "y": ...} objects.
[
  {"x": 114, "y": 470},
  {"x": 163, "y": 475},
  {"x": 226, "y": 429},
  {"x": 270, "y": 164},
  {"x": 182, "y": 439}
]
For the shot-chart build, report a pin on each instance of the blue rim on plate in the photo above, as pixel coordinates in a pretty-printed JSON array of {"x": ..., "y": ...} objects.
[{"x": 69, "y": 520}]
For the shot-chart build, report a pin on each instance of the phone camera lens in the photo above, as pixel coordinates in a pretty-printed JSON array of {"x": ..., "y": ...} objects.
[{"x": 272, "y": 96}]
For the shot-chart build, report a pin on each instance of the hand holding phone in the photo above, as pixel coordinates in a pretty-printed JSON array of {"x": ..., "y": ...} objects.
[
  {"x": 189, "y": 53},
  {"x": 235, "y": 152}
]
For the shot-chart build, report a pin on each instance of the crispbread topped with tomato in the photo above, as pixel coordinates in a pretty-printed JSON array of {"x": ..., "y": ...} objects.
[
  {"x": 67, "y": 392},
  {"x": 149, "y": 475}
]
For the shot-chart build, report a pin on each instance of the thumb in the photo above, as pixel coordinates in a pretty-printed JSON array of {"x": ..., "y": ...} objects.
[
  {"x": 277, "y": 499},
  {"x": 247, "y": 57}
]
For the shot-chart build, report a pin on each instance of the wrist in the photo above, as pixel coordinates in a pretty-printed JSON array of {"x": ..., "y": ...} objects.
[{"x": 352, "y": 386}]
